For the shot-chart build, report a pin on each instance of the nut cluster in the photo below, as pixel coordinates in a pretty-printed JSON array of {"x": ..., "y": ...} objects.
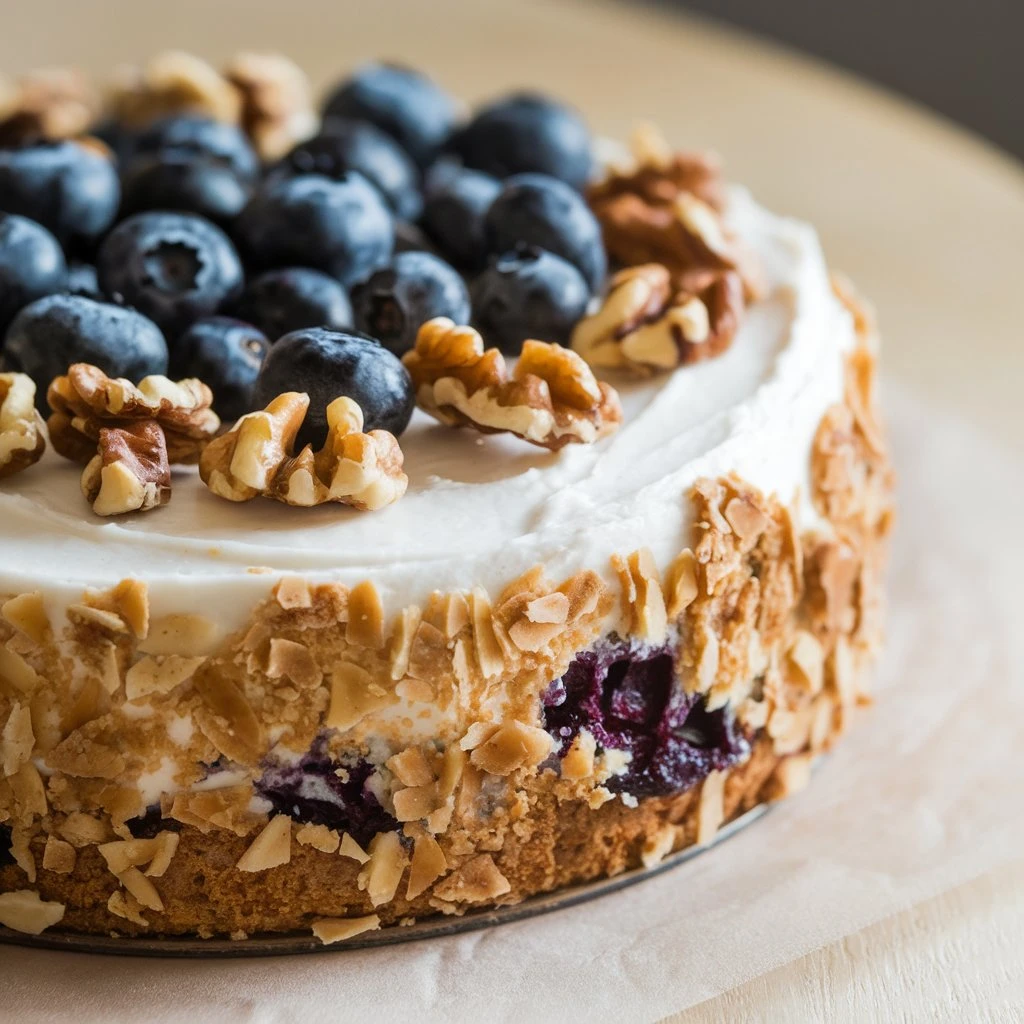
[
  {"x": 268, "y": 95},
  {"x": 51, "y": 103},
  {"x": 21, "y": 428},
  {"x": 645, "y": 325},
  {"x": 255, "y": 457},
  {"x": 128, "y": 435},
  {"x": 550, "y": 399}
]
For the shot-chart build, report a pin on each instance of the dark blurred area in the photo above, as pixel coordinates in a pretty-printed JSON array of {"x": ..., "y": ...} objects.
[{"x": 962, "y": 58}]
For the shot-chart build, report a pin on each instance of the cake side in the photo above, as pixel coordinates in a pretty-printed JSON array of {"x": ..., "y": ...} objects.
[{"x": 484, "y": 772}]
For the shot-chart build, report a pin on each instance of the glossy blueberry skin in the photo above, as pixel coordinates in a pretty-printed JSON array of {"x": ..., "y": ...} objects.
[
  {"x": 535, "y": 209},
  {"x": 528, "y": 294},
  {"x": 342, "y": 227},
  {"x": 527, "y": 132},
  {"x": 173, "y": 267},
  {"x": 406, "y": 104},
  {"x": 291, "y": 298},
  {"x": 396, "y": 300},
  {"x": 225, "y": 354},
  {"x": 347, "y": 145},
  {"x": 68, "y": 187},
  {"x": 327, "y": 364},
  {"x": 191, "y": 136},
  {"x": 31, "y": 265},
  {"x": 453, "y": 214},
  {"x": 49, "y": 335},
  {"x": 82, "y": 280},
  {"x": 173, "y": 181}
]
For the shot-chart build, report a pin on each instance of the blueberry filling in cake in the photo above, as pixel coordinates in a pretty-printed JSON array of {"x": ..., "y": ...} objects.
[{"x": 404, "y": 511}]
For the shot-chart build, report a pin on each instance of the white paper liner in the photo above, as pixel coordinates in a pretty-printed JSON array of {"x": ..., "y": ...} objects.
[{"x": 921, "y": 797}]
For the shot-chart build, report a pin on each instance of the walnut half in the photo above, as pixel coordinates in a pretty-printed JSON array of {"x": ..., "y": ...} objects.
[
  {"x": 21, "y": 428},
  {"x": 645, "y": 325},
  {"x": 130, "y": 472},
  {"x": 255, "y": 458},
  {"x": 551, "y": 398}
]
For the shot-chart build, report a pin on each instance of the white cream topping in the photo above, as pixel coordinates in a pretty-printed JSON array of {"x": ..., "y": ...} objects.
[{"x": 479, "y": 510}]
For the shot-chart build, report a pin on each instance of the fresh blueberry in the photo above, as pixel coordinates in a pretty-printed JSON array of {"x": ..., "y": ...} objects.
[
  {"x": 406, "y": 104},
  {"x": 539, "y": 210},
  {"x": 193, "y": 137},
  {"x": 527, "y": 132},
  {"x": 174, "y": 267},
  {"x": 453, "y": 214},
  {"x": 46, "y": 337},
  {"x": 346, "y": 145},
  {"x": 281, "y": 301},
  {"x": 415, "y": 287},
  {"x": 82, "y": 281},
  {"x": 71, "y": 188},
  {"x": 31, "y": 265},
  {"x": 528, "y": 294},
  {"x": 410, "y": 238},
  {"x": 226, "y": 355},
  {"x": 327, "y": 364},
  {"x": 174, "y": 181},
  {"x": 342, "y": 227}
]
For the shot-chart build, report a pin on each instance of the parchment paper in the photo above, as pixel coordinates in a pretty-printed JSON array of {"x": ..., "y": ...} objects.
[{"x": 923, "y": 795}]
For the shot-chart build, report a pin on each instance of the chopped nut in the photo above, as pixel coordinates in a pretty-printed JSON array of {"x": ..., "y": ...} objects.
[
  {"x": 130, "y": 599},
  {"x": 86, "y": 400},
  {"x": 49, "y": 103},
  {"x": 277, "y": 108},
  {"x": 320, "y": 837},
  {"x": 365, "y": 626},
  {"x": 512, "y": 745},
  {"x": 551, "y": 398},
  {"x": 473, "y": 882},
  {"x": 384, "y": 869},
  {"x": 22, "y": 440},
  {"x": 24, "y": 911},
  {"x": 353, "y": 468},
  {"x": 173, "y": 82},
  {"x": 271, "y": 848},
  {"x": 58, "y": 856},
  {"x": 130, "y": 472},
  {"x": 337, "y": 929},
  {"x": 81, "y": 830},
  {"x": 646, "y": 325}
]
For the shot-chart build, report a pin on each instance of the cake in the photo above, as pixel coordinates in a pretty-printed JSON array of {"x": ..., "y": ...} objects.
[{"x": 602, "y": 595}]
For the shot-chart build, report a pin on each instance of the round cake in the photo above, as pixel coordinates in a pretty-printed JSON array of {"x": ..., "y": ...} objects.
[{"x": 610, "y": 588}]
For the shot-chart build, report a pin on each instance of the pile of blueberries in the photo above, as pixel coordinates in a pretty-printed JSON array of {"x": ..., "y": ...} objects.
[{"x": 183, "y": 255}]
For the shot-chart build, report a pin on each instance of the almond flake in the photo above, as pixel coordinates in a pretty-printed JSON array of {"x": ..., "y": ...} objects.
[
  {"x": 350, "y": 848},
  {"x": 24, "y": 911},
  {"x": 456, "y": 614},
  {"x": 142, "y": 889},
  {"x": 27, "y": 614},
  {"x": 476, "y": 734},
  {"x": 384, "y": 870},
  {"x": 649, "y": 615},
  {"x": 657, "y": 846},
  {"x": 550, "y": 608},
  {"x": 534, "y": 636},
  {"x": 401, "y": 640},
  {"x": 427, "y": 865},
  {"x": 17, "y": 739},
  {"x": 415, "y": 802},
  {"x": 185, "y": 635},
  {"x": 58, "y": 856},
  {"x": 16, "y": 671},
  {"x": 271, "y": 848},
  {"x": 410, "y": 767},
  {"x": 21, "y": 851},
  {"x": 474, "y": 882},
  {"x": 489, "y": 655},
  {"x": 98, "y": 617},
  {"x": 584, "y": 592},
  {"x": 513, "y": 745},
  {"x": 681, "y": 583},
  {"x": 29, "y": 791},
  {"x": 365, "y": 626},
  {"x": 293, "y": 661},
  {"x": 807, "y": 655},
  {"x": 354, "y": 695},
  {"x": 166, "y": 847},
  {"x": 790, "y": 776},
  {"x": 337, "y": 929},
  {"x": 578, "y": 762},
  {"x": 293, "y": 592},
  {"x": 130, "y": 599},
  {"x": 81, "y": 830},
  {"x": 124, "y": 905},
  {"x": 711, "y": 809},
  {"x": 428, "y": 656},
  {"x": 320, "y": 837},
  {"x": 158, "y": 675}
]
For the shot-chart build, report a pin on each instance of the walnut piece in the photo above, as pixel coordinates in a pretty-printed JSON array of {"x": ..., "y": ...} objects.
[
  {"x": 86, "y": 400},
  {"x": 551, "y": 398},
  {"x": 645, "y": 325},
  {"x": 353, "y": 468},
  {"x": 277, "y": 105},
  {"x": 130, "y": 473},
  {"x": 21, "y": 428},
  {"x": 49, "y": 103}
]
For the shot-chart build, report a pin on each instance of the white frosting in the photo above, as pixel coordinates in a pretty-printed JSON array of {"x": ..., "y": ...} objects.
[{"x": 479, "y": 510}]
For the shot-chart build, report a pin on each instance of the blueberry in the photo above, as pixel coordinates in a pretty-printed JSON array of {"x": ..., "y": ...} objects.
[
  {"x": 342, "y": 227},
  {"x": 71, "y": 188},
  {"x": 327, "y": 364},
  {"x": 527, "y": 132},
  {"x": 174, "y": 181},
  {"x": 528, "y": 293},
  {"x": 453, "y": 214},
  {"x": 194, "y": 137},
  {"x": 410, "y": 238},
  {"x": 346, "y": 145},
  {"x": 281, "y": 301},
  {"x": 174, "y": 267},
  {"x": 406, "y": 104},
  {"x": 31, "y": 265},
  {"x": 82, "y": 281},
  {"x": 49, "y": 335},
  {"x": 414, "y": 288},
  {"x": 542, "y": 211},
  {"x": 226, "y": 355}
]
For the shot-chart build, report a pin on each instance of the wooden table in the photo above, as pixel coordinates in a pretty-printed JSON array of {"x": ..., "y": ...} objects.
[{"x": 928, "y": 220}]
